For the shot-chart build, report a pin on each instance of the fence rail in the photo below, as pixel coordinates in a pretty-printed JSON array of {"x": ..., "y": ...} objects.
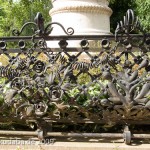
[{"x": 98, "y": 78}]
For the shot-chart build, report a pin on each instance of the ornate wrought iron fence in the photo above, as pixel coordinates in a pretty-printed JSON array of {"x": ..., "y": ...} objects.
[{"x": 44, "y": 84}]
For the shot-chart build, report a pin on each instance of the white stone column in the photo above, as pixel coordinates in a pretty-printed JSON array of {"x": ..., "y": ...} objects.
[{"x": 86, "y": 17}]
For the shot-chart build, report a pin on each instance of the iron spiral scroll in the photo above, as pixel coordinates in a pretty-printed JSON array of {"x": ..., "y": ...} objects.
[{"x": 39, "y": 83}]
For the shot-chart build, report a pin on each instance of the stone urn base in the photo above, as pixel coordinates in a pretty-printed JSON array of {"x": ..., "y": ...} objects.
[{"x": 86, "y": 17}]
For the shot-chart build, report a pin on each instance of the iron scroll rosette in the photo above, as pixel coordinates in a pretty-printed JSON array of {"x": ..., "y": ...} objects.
[
  {"x": 46, "y": 84},
  {"x": 40, "y": 28}
]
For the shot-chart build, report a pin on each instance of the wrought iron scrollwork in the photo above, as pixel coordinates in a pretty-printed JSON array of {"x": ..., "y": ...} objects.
[
  {"x": 113, "y": 84},
  {"x": 40, "y": 29}
]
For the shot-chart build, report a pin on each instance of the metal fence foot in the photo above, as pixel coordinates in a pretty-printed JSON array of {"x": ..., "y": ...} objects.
[
  {"x": 43, "y": 128},
  {"x": 127, "y": 135},
  {"x": 41, "y": 134}
]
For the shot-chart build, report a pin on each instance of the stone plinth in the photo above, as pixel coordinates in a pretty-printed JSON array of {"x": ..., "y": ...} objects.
[{"x": 87, "y": 17}]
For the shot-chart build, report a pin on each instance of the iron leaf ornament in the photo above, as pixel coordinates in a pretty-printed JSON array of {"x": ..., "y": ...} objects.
[{"x": 112, "y": 85}]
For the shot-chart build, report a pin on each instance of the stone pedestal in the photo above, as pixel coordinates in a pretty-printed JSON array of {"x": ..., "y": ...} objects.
[{"x": 86, "y": 17}]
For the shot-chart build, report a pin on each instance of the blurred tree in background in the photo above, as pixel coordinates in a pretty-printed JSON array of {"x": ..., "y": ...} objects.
[
  {"x": 119, "y": 8},
  {"x": 3, "y": 17},
  {"x": 143, "y": 11},
  {"x": 14, "y": 13},
  {"x": 140, "y": 7}
]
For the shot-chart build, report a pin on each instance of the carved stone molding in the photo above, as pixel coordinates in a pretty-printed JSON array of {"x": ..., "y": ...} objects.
[
  {"x": 82, "y": 8},
  {"x": 85, "y": 16}
]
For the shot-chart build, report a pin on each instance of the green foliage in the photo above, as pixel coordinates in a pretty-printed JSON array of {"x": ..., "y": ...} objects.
[
  {"x": 94, "y": 90},
  {"x": 74, "y": 92},
  {"x": 140, "y": 7},
  {"x": 84, "y": 78},
  {"x": 143, "y": 11},
  {"x": 3, "y": 16},
  {"x": 15, "y": 14},
  {"x": 119, "y": 8}
]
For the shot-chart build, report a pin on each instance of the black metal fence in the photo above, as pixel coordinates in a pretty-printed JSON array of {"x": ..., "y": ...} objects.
[{"x": 43, "y": 84}]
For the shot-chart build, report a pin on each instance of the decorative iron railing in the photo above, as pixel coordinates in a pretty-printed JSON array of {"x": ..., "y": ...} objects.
[{"x": 111, "y": 86}]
